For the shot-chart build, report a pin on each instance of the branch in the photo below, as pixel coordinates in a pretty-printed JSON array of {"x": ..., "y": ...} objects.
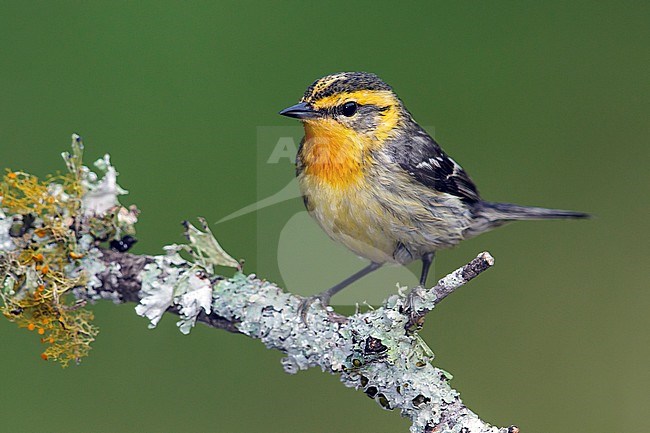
[
  {"x": 371, "y": 351},
  {"x": 127, "y": 286}
]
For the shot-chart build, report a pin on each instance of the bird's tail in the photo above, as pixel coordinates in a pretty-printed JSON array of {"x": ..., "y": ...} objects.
[{"x": 504, "y": 212}]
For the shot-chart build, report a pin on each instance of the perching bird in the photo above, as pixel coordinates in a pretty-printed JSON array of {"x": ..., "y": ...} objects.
[{"x": 375, "y": 181}]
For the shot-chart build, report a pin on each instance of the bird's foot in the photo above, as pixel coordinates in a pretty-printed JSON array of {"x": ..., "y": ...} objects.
[
  {"x": 306, "y": 303},
  {"x": 416, "y": 320}
]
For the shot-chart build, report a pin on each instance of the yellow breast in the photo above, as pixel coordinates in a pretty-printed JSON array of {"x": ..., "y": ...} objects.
[
  {"x": 333, "y": 154},
  {"x": 348, "y": 215},
  {"x": 338, "y": 195}
]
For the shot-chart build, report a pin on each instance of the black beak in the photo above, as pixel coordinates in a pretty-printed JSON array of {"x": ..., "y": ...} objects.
[{"x": 301, "y": 110}]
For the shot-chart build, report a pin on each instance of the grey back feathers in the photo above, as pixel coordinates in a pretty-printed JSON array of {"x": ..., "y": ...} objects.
[{"x": 425, "y": 161}]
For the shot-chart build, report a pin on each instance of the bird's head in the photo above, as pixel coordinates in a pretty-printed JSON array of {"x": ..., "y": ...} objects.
[{"x": 348, "y": 105}]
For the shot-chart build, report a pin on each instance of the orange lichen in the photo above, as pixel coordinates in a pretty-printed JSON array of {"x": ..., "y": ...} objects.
[
  {"x": 66, "y": 330},
  {"x": 40, "y": 300}
]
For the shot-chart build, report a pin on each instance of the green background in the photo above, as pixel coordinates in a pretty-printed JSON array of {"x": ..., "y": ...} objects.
[{"x": 545, "y": 104}]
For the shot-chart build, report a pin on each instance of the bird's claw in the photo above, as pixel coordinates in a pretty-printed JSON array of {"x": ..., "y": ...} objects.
[
  {"x": 306, "y": 303},
  {"x": 416, "y": 320}
]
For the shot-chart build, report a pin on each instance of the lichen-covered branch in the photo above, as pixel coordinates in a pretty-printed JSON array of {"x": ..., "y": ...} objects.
[
  {"x": 371, "y": 351},
  {"x": 70, "y": 249},
  {"x": 126, "y": 287}
]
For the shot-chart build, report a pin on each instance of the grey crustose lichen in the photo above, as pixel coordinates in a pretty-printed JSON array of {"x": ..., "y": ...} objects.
[{"x": 378, "y": 351}]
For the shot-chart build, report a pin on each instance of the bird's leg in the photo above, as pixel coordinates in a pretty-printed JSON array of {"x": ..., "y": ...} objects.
[
  {"x": 416, "y": 322},
  {"x": 427, "y": 259},
  {"x": 326, "y": 295}
]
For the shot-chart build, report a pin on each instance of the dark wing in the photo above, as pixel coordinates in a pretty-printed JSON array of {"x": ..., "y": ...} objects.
[{"x": 427, "y": 163}]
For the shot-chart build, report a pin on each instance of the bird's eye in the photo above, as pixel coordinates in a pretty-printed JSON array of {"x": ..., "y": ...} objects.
[{"x": 349, "y": 108}]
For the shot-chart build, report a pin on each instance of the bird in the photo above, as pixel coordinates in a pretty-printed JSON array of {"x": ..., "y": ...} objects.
[{"x": 377, "y": 182}]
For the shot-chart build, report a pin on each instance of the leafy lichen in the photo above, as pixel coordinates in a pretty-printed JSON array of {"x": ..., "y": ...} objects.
[{"x": 171, "y": 281}]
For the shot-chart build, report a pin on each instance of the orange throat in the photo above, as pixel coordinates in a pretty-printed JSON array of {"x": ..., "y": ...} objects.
[{"x": 332, "y": 154}]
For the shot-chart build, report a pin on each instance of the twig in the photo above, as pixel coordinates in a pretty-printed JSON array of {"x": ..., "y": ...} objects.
[{"x": 421, "y": 301}]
